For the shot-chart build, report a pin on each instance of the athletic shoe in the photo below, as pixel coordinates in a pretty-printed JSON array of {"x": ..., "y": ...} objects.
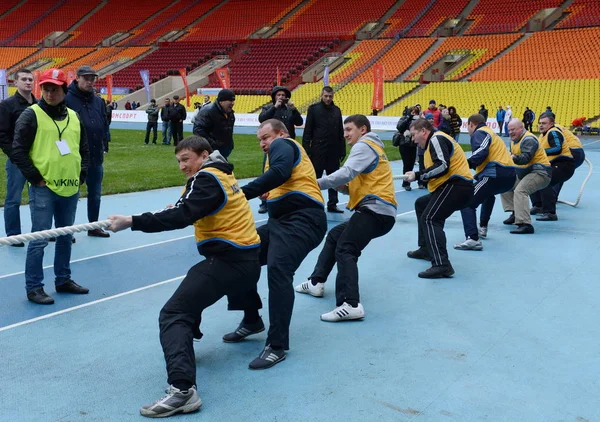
[
  {"x": 523, "y": 229},
  {"x": 483, "y": 231},
  {"x": 176, "y": 401},
  {"x": 344, "y": 313},
  {"x": 308, "y": 288},
  {"x": 244, "y": 330},
  {"x": 535, "y": 210},
  {"x": 469, "y": 245},
  {"x": 510, "y": 220},
  {"x": 420, "y": 253},
  {"x": 269, "y": 357},
  {"x": 547, "y": 216},
  {"x": 262, "y": 209},
  {"x": 437, "y": 272}
]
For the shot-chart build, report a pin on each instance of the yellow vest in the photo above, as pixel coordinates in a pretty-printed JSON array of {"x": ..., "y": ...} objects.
[
  {"x": 498, "y": 153},
  {"x": 572, "y": 139},
  {"x": 61, "y": 172},
  {"x": 457, "y": 167},
  {"x": 233, "y": 222},
  {"x": 374, "y": 182},
  {"x": 302, "y": 181},
  {"x": 565, "y": 151},
  {"x": 539, "y": 157}
]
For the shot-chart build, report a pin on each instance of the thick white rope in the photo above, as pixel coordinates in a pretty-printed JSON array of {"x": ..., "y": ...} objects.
[
  {"x": 47, "y": 234},
  {"x": 574, "y": 204},
  {"x": 400, "y": 177}
]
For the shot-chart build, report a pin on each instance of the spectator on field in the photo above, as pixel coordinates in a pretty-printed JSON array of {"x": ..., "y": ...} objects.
[
  {"x": 406, "y": 147},
  {"x": 152, "y": 112},
  {"x": 92, "y": 113},
  {"x": 10, "y": 110},
  {"x": 483, "y": 111},
  {"x": 437, "y": 115},
  {"x": 165, "y": 116},
  {"x": 127, "y": 105},
  {"x": 109, "y": 110},
  {"x": 206, "y": 102},
  {"x": 528, "y": 117},
  {"x": 282, "y": 109},
  {"x": 134, "y": 106},
  {"x": 500, "y": 119},
  {"x": 178, "y": 115},
  {"x": 324, "y": 141},
  {"x": 455, "y": 122},
  {"x": 215, "y": 123},
  {"x": 507, "y": 117}
]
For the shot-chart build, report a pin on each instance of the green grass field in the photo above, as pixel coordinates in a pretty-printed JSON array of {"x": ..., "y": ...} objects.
[{"x": 132, "y": 166}]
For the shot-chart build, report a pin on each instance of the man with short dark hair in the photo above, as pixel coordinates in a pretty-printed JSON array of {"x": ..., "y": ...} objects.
[
  {"x": 296, "y": 225},
  {"x": 226, "y": 236},
  {"x": 10, "y": 110},
  {"x": 323, "y": 140},
  {"x": 552, "y": 140},
  {"x": 92, "y": 112},
  {"x": 152, "y": 112},
  {"x": 50, "y": 149},
  {"x": 215, "y": 122},
  {"x": 494, "y": 174},
  {"x": 367, "y": 177},
  {"x": 483, "y": 111},
  {"x": 450, "y": 184}
]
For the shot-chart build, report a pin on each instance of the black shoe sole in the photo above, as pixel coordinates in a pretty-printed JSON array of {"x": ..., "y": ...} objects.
[
  {"x": 448, "y": 274},
  {"x": 243, "y": 338},
  {"x": 41, "y": 303}
]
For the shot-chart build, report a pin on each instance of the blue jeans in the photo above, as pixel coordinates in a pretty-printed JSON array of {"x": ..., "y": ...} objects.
[
  {"x": 93, "y": 180},
  {"x": 166, "y": 132},
  {"x": 45, "y": 205},
  {"x": 15, "y": 182}
]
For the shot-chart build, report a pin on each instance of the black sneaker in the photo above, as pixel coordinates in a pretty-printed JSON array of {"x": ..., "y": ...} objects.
[
  {"x": 535, "y": 210},
  {"x": 18, "y": 245},
  {"x": 420, "y": 253},
  {"x": 40, "y": 297},
  {"x": 442, "y": 271},
  {"x": 269, "y": 357},
  {"x": 510, "y": 220},
  {"x": 547, "y": 216},
  {"x": 523, "y": 229},
  {"x": 334, "y": 209},
  {"x": 176, "y": 401},
  {"x": 262, "y": 209},
  {"x": 71, "y": 287},
  {"x": 244, "y": 330}
]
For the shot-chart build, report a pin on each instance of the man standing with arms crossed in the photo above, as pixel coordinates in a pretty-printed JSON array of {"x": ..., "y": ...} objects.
[
  {"x": 323, "y": 140},
  {"x": 10, "y": 110},
  {"x": 82, "y": 99}
]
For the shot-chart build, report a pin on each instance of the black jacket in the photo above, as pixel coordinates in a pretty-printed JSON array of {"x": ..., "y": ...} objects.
[
  {"x": 25, "y": 132},
  {"x": 214, "y": 125},
  {"x": 92, "y": 113},
  {"x": 484, "y": 112},
  {"x": 324, "y": 125},
  {"x": 10, "y": 110},
  {"x": 290, "y": 118},
  {"x": 165, "y": 113},
  {"x": 178, "y": 113}
]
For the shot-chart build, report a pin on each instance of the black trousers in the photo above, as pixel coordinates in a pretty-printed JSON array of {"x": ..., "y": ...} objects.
[
  {"x": 151, "y": 126},
  {"x": 529, "y": 126},
  {"x": 177, "y": 130},
  {"x": 343, "y": 246},
  {"x": 284, "y": 243},
  {"x": 579, "y": 157},
  {"x": 409, "y": 156},
  {"x": 324, "y": 160},
  {"x": 205, "y": 283},
  {"x": 432, "y": 211},
  {"x": 547, "y": 197}
]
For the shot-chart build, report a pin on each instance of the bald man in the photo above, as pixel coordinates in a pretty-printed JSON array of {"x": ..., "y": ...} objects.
[{"x": 533, "y": 173}]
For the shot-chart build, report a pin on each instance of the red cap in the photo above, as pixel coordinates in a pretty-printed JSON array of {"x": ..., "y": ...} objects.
[{"x": 53, "y": 76}]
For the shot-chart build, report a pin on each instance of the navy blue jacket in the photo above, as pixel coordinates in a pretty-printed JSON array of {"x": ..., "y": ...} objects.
[{"x": 92, "y": 113}]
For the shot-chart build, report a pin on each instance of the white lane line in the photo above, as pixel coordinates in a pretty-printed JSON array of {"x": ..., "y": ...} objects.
[
  {"x": 404, "y": 213},
  {"x": 85, "y": 305}
]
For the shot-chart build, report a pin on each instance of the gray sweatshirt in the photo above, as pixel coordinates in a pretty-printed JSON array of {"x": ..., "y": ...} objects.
[{"x": 360, "y": 158}]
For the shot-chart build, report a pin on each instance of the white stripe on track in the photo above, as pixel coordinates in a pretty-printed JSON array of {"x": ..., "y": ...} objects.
[{"x": 85, "y": 305}]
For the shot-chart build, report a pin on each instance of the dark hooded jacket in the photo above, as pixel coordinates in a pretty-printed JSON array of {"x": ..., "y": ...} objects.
[
  {"x": 92, "y": 113},
  {"x": 289, "y": 117},
  {"x": 215, "y": 126}
]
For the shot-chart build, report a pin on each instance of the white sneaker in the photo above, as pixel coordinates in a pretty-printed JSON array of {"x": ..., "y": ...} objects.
[
  {"x": 174, "y": 402},
  {"x": 308, "y": 288},
  {"x": 344, "y": 313},
  {"x": 482, "y": 232},
  {"x": 469, "y": 245}
]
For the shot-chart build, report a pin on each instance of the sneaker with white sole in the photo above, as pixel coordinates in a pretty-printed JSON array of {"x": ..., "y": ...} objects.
[
  {"x": 308, "y": 288},
  {"x": 483, "y": 232},
  {"x": 176, "y": 401},
  {"x": 470, "y": 245},
  {"x": 344, "y": 313},
  {"x": 267, "y": 358}
]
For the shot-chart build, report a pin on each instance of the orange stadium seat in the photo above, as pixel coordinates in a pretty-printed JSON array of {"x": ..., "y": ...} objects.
[
  {"x": 61, "y": 18},
  {"x": 330, "y": 19},
  {"x": 115, "y": 16},
  {"x": 581, "y": 13},
  {"x": 57, "y": 57},
  {"x": 435, "y": 16},
  {"x": 530, "y": 60},
  {"x": 483, "y": 48},
  {"x": 232, "y": 20},
  {"x": 406, "y": 13},
  {"x": 10, "y": 56},
  {"x": 358, "y": 57},
  {"x": 495, "y": 16}
]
